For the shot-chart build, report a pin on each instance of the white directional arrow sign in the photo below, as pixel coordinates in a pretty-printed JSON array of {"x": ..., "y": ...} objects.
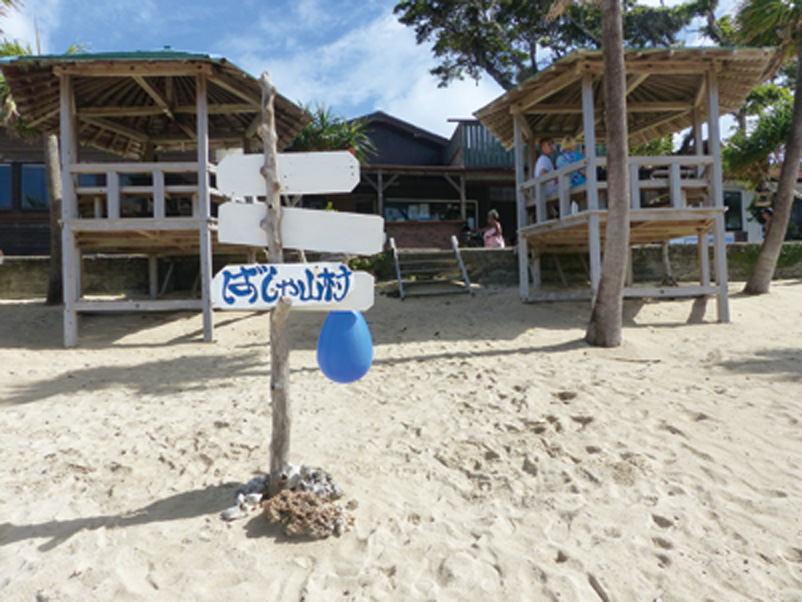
[
  {"x": 314, "y": 286},
  {"x": 299, "y": 173},
  {"x": 307, "y": 229}
]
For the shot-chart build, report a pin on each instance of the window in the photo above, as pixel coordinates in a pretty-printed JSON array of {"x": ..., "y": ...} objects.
[
  {"x": 23, "y": 187},
  {"x": 397, "y": 210},
  {"x": 733, "y": 218},
  {"x": 5, "y": 187},
  {"x": 34, "y": 187}
]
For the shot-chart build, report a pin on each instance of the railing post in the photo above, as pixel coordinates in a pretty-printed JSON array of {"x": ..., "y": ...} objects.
[
  {"x": 675, "y": 186},
  {"x": 634, "y": 185}
]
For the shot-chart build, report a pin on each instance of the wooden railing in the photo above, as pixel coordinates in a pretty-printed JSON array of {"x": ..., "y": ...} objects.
[
  {"x": 676, "y": 182},
  {"x": 155, "y": 190}
]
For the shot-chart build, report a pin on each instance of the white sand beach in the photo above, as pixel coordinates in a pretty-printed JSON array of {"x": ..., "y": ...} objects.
[{"x": 492, "y": 453}]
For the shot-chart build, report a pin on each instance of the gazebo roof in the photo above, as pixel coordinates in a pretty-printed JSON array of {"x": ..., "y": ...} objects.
[
  {"x": 664, "y": 86},
  {"x": 128, "y": 102}
]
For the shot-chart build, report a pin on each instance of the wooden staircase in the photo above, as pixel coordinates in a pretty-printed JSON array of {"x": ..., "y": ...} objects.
[{"x": 430, "y": 271}]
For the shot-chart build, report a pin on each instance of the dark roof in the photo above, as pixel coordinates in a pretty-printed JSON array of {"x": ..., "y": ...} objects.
[
  {"x": 128, "y": 101},
  {"x": 406, "y": 127},
  {"x": 665, "y": 88}
]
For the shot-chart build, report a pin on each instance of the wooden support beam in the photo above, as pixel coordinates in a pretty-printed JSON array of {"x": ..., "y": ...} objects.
[
  {"x": 658, "y": 121},
  {"x": 221, "y": 80},
  {"x": 117, "y": 128},
  {"x": 717, "y": 194},
  {"x": 558, "y": 83},
  {"x": 114, "y": 68},
  {"x": 157, "y": 97},
  {"x": 635, "y": 80},
  {"x": 41, "y": 119}
]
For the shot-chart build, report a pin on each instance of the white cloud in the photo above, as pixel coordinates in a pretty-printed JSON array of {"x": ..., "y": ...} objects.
[
  {"x": 377, "y": 66},
  {"x": 19, "y": 26}
]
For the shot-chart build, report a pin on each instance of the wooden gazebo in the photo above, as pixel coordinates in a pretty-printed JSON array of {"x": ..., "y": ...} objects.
[
  {"x": 164, "y": 113},
  {"x": 668, "y": 90}
]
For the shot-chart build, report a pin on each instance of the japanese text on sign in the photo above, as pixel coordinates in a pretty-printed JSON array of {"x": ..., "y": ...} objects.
[{"x": 260, "y": 286}]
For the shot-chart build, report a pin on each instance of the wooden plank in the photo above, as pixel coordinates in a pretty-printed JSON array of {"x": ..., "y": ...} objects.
[
  {"x": 113, "y": 195},
  {"x": 136, "y": 223},
  {"x": 571, "y": 295},
  {"x": 123, "y": 111},
  {"x": 669, "y": 291},
  {"x": 675, "y": 190},
  {"x": 134, "y": 167},
  {"x": 159, "y": 194},
  {"x": 634, "y": 186},
  {"x": 138, "y": 305},
  {"x": 305, "y": 229},
  {"x": 115, "y": 68},
  {"x": 687, "y": 160},
  {"x": 325, "y": 172}
]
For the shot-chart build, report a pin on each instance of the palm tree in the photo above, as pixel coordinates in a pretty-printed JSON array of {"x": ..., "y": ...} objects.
[
  {"x": 606, "y": 318},
  {"x": 328, "y": 131},
  {"x": 767, "y": 22}
]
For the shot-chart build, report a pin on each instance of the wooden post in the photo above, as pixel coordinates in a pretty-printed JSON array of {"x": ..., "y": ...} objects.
[
  {"x": 717, "y": 192},
  {"x": 279, "y": 340},
  {"x": 520, "y": 212},
  {"x": 203, "y": 208},
  {"x": 70, "y": 253}
]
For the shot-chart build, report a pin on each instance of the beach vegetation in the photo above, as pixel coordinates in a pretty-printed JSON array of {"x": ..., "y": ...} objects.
[
  {"x": 776, "y": 23},
  {"x": 328, "y": 131}
]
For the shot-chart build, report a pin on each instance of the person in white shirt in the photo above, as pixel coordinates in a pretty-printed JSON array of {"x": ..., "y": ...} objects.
[{"x": 544, "y": 164}]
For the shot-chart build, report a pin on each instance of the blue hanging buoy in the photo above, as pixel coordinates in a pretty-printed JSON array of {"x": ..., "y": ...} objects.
[{"x": 345, "y": 347}]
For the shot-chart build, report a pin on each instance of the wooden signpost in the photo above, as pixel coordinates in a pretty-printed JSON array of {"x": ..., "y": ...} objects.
[{"x": 278, "y": 286}]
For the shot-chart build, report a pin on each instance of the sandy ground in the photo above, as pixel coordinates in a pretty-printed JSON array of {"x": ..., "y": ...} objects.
[{"x": 493, "y": 455}]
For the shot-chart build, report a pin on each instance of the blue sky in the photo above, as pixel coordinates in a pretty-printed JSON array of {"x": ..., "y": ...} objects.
[{"x": 352, "y": 55}]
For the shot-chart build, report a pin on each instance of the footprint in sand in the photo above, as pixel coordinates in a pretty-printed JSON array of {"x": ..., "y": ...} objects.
[{"x": 662, "y": 522}]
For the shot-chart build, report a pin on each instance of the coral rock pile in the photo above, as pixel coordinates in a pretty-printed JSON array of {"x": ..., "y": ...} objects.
[{"x": 304, "y": 514}]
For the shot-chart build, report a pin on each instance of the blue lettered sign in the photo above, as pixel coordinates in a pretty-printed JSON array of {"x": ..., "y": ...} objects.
[{"x": 319, "y": 286}]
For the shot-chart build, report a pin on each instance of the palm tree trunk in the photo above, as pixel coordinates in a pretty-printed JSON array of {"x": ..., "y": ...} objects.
[
  {"x": 760, "y": 279},
  {"x": 604, "y": 329},
  {"x": 55, "y": 290}
]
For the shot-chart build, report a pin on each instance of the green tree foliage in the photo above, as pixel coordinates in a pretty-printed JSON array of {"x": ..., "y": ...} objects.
[
  {"x": 752, "y": 155},
  {"x": 777, "y": 22},
  {"x": 503, "y": 38},
  {"x": 8, "y": 108},
  {"x": 328, "y": 131}
]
